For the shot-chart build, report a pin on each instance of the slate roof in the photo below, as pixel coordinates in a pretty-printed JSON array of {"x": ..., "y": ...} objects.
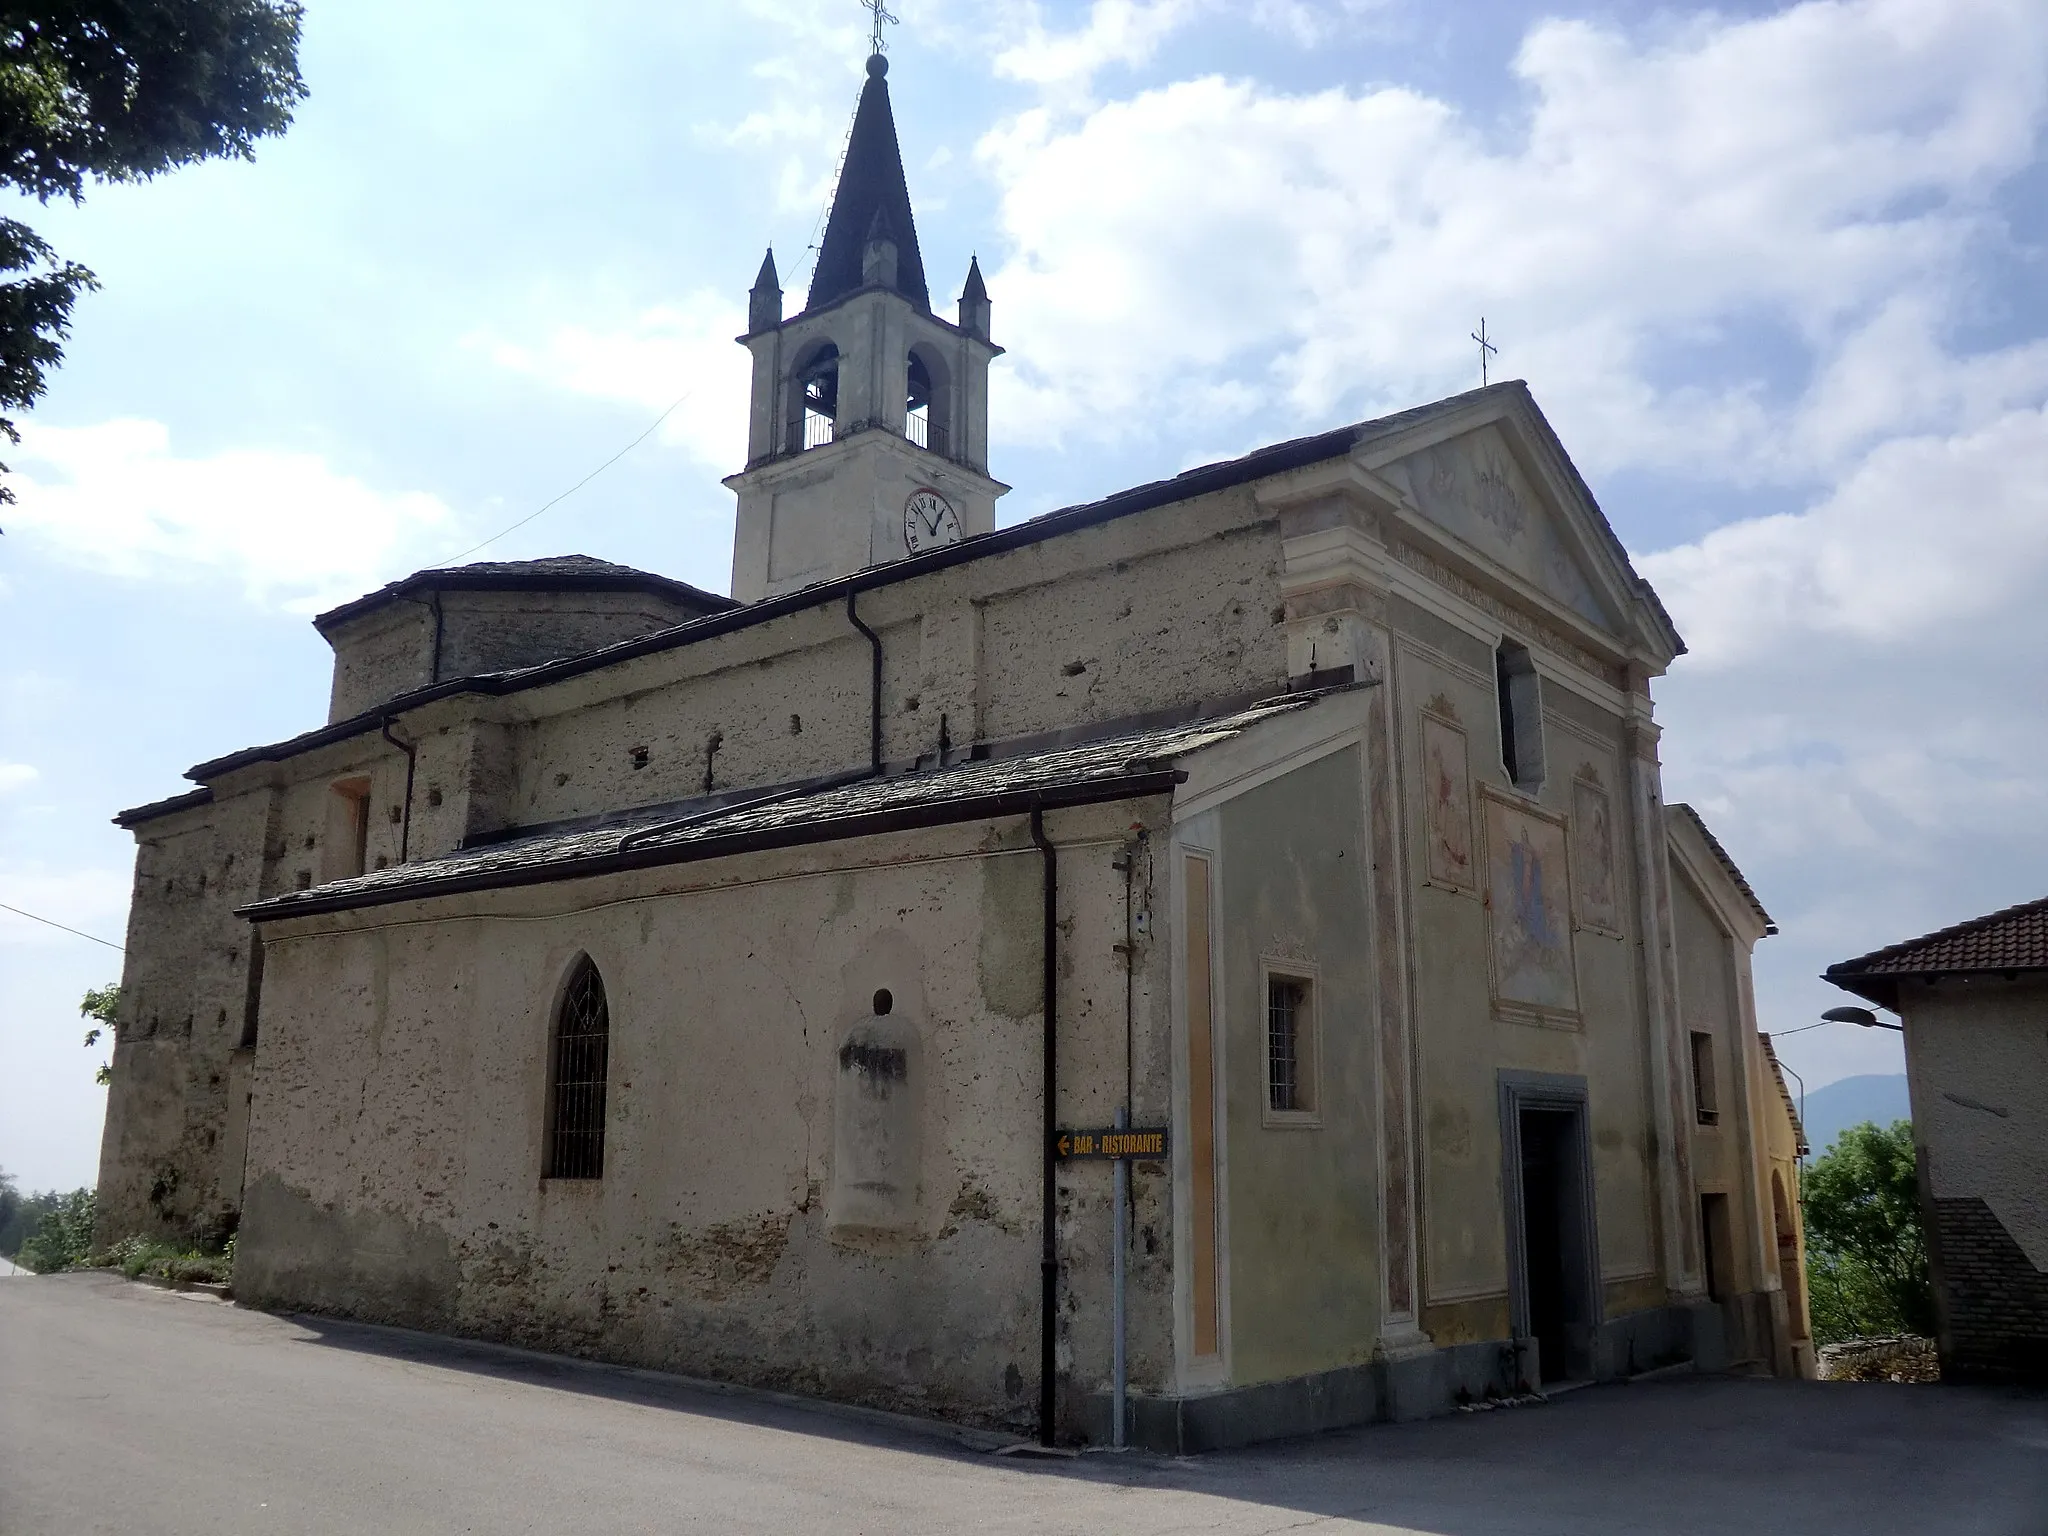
[
  {"x": 1123, "y": 766},
  {"x": 555, "y": 573},
  {"x": 1785, "y": 1094},
  {"x": 1727, "y": 864},
  {"x": 2013, "y": 939},
  {"x": 871, "y": 190}
]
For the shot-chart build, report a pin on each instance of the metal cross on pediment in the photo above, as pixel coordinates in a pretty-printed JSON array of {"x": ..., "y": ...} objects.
[
  {"x": 882, "y": 15},
  {"x": 1486, "y": 350}
]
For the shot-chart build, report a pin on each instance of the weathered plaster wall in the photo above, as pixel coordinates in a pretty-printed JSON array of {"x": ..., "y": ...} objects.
[
  {"x": 391, "y": 650},
  {"x": 396, "y": 1147},
  {"x": 1977, "y": 1054},
  {"x": 1302, "y": 1199},
  {"x": 166, "y": 1165},
  {"x": 1977, "y": 1047}
]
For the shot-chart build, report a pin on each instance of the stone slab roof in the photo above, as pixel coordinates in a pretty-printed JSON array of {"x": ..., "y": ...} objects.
[
  {"x": 1128, "y": 765},
  {"x": 2013, "y": 939},
  {"x": 554, "y": 573},
  {"x": 1727, "y": 864}
]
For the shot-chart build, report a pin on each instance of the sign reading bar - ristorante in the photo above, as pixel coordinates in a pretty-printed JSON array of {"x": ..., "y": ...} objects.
[{"x": 1111, "y": 1142}]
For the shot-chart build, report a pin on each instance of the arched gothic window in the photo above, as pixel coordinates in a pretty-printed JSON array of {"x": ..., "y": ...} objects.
[{"x": 576, "y": 1077}]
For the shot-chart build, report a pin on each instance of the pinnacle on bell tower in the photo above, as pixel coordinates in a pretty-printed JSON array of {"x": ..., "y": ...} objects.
[{"x": 868, "y": 437}]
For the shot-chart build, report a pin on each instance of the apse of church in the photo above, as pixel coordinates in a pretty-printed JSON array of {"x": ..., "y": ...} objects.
[{"x": 712, "y": 983}]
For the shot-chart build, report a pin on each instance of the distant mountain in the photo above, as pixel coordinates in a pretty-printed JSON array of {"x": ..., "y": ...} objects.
[{"x": 1851, "y": 1101}]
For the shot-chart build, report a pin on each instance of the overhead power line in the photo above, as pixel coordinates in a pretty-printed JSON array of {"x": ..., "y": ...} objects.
[
  {"x": 50, "y": 923},
  {"x": 674, "y": 405}
]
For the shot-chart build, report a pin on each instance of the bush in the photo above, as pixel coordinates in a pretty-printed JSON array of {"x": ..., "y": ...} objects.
[
  {"x": 1866, "y": 1252},
  {"x": 63, "y": 1237},
  {"x": 139, "y": 1256}
]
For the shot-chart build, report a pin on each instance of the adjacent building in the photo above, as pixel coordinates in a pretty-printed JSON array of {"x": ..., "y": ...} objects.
[
  {"x": 1974, "y": 1000},
  {"x": 710, "y": 984}
]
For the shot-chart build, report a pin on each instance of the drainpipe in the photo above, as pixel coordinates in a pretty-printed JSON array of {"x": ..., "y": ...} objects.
[
  {"x": 1048, "y": 1262},
  {"x": 437, "y": 637},
  {"x": 411, "y": 752},
  {"x": 874, "y": 687}
]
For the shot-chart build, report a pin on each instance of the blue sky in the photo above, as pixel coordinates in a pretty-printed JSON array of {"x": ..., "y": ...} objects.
[{"x": 1775, "y": 273}]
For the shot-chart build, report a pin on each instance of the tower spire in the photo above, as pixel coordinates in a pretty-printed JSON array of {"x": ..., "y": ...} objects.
[{"x": 871, "y": 183}]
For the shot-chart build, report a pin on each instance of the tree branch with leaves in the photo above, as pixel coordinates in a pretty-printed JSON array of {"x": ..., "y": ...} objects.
[{"x": 114, "y": 91}]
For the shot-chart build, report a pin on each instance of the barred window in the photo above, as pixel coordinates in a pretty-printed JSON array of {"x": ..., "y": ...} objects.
[
  {"x": 577, "y": 1076},
  {"x": 1288, "y": 1074}
]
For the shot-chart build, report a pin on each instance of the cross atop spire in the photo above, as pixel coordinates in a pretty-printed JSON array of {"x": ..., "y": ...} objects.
[
  {"x": 882, "y": 15},
  {"x": 871, "y": 183}
]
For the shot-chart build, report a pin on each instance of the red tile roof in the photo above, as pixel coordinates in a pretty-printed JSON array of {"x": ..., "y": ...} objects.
[{"x": 2015, "y": 939}]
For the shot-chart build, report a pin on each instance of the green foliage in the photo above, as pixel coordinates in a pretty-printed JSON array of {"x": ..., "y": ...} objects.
[
  {"x": 179, "y": 1262},
  {"x": 63, "y": 1236},
  {"x": 1866, "y": 1252},
  {"x": 101, "y": 1004},
  {"x": 119, "y": 90}
]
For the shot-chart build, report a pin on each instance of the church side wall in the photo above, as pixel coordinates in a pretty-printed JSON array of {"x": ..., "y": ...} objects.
[
  {"x": 1583, "y": 1018},
  {"x": 396, "y": 1147},
  {"x": 185, "y": 985},
  {"x": 1302, "y": 1191},
  {"x": 1160, "y": 609}
]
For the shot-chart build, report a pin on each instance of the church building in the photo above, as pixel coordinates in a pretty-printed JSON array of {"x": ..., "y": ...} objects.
[{"x": 729, "y": 985}]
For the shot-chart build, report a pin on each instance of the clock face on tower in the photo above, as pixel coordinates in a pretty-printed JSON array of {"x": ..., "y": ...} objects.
[{"x": 929, "y": 520}]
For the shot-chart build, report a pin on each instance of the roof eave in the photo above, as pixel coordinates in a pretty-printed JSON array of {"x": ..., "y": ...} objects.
[{"x": 981, "y": 807}]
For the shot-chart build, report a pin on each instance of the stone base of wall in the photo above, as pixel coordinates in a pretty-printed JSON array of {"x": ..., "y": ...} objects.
[
  {"x": 1996, "y": 1301},
  {"x": 1436, "y": 1381}
]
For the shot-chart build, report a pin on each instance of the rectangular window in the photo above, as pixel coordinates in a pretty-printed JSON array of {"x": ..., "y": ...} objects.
[
  {"x": 347, "y": 838},
  {"x": 1704, "y": 1103},
  {"x": 1519, "y": 694},
  {"x": 1291, "y": 1048}
]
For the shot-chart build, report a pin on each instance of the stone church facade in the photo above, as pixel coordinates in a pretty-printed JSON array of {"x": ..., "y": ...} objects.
[{"x": 703, "y": 982}]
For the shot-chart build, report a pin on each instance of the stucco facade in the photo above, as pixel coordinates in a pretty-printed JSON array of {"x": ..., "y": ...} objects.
[{"x": 1306, "y": 805}]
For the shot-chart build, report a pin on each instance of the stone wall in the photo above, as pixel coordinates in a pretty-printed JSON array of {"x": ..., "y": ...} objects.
[{"x": 1996, "y": 1300}]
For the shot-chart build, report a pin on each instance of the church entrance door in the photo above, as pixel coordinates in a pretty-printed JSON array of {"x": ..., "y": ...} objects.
[{"x": 1553, "y": 1267}]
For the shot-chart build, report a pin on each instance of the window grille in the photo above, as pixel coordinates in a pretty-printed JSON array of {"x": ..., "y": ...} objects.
[
  {"x": 581, "y": 1056},
  {"x": 1286, "y": 1014}
]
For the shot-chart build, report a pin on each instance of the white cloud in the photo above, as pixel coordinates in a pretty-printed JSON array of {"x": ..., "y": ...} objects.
[
  {"x": 648, "y": 360},
  {"x": 15, "y": 776},
  {"x": 1125, "y": 32},
  {"x": 1793, "y": 176},
  {"x": 286, "y": 527},
  {"x": 1926, "y": 533}
]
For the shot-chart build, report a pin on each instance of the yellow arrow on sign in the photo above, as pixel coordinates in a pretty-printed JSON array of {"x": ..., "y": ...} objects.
[{"x": 1064, "y": 1146}]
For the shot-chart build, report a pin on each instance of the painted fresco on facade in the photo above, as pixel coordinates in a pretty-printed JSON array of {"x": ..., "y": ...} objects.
[
  {"x": 1593, "y": 856},
  {"x": 1529, "y": 907},
  {"x": 1447, "y": 802}
]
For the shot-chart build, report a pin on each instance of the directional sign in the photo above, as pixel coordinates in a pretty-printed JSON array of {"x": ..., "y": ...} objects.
[{"x": 1109, "y": 1142}]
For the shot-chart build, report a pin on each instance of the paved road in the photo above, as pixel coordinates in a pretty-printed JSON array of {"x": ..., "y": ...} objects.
[{"x": 133, "y": 1410}]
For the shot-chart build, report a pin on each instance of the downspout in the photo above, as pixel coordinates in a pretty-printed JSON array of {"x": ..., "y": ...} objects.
[
  {"x": 436, "y": 676},
  {"x": 411, "y": 752},
  {"x": 1048, "y": 1262},
  {"x": 874, "y": 687}
]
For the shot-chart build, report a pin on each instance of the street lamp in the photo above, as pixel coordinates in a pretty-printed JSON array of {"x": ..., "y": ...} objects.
[{"x": 1863, "y": 1016}]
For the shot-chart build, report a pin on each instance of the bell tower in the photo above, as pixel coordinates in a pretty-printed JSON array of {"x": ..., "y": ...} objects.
[{"x": 868, "y": 437}]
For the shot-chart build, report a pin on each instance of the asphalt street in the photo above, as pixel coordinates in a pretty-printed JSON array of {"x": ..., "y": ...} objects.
[{"x": 124, "y": 1408}]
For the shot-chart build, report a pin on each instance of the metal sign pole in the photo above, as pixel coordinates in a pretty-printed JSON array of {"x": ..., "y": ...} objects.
[{"x": 1121, "y": 1183}]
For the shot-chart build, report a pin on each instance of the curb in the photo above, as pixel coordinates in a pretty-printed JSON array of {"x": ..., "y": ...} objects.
[{"x": 966, "y": 1436}]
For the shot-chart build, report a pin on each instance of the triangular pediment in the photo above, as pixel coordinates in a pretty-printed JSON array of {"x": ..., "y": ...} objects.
[{"x": 1478, "y": 486}]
